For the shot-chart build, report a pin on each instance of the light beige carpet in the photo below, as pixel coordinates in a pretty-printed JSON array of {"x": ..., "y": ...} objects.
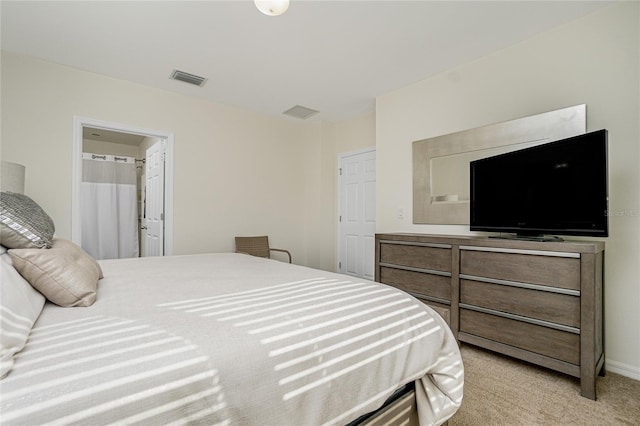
[{"x": 503, "y": 391}]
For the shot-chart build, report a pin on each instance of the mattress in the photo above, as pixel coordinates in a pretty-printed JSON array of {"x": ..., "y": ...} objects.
[{"x": 231, "y": 339}]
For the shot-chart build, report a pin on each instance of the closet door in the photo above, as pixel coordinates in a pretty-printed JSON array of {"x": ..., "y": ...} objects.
[{"x": 357, "y": 217}]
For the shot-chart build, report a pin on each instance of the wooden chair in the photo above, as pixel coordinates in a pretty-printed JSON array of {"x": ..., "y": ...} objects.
[{"x": 257, "y": 246}]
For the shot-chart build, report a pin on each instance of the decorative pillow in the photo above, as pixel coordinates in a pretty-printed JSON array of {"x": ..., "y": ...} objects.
[
  {"x": 65, "y": 274},
  {"x": 20, "y": 305},
  {"x": 23, "y": 223}
]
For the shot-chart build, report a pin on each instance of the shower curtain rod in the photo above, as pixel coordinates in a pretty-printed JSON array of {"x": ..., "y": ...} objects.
[{"x": 115, "y": 158}]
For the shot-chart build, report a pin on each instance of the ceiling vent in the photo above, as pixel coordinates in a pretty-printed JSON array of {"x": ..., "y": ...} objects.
[
  {"x": 299, "y": 111},
  {"x": 188, "y": 78}
]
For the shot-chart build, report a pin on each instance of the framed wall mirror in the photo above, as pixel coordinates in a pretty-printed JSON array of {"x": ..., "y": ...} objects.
[{"x": 441, "y": 164}]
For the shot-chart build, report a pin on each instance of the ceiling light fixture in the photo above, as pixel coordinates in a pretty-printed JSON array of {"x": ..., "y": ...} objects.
[{"x": 272, "y": 7}]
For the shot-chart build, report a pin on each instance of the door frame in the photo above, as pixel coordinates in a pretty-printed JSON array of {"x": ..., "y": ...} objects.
[
  {"x": 79, "y": 123},
  {"x": 341, "y": 157}
]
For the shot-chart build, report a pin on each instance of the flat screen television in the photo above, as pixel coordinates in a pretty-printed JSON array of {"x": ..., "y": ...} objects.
[{"x": 557, "y": 188}]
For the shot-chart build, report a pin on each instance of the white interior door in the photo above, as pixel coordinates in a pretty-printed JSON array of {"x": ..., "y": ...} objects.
[
  {"x": 153, "y": 229},
  {"x": 357, "y": 215}
]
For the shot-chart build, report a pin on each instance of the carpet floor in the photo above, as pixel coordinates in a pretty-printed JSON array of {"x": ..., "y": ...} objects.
[{"x": 503, "y": 391}]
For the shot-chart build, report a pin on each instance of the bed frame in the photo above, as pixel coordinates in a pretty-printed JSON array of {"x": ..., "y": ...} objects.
[{"x": 400, "y": 408}]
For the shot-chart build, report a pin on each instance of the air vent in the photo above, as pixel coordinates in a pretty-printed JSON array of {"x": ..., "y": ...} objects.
[
  {"x": 299, "y": 111},
  {"x": 188, "y": 78}
]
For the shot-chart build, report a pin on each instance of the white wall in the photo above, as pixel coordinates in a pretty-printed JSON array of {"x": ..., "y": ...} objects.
[
  {"x": 593, "y": 61},
  {"x": 110, "y": 148},
  {"x": 339, "y": 138},
  {"x": 236, "y": 172}
]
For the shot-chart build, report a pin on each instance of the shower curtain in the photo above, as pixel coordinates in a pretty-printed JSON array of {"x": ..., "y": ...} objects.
[{"x": 109, "y": 206}]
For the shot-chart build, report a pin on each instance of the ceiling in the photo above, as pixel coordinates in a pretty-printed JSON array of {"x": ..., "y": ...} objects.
[
  {"x": 112, "y": 136},
  {"x": 335, "y": 57}
]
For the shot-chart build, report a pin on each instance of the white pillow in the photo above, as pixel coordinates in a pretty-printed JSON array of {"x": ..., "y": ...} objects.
[
  {"x": 20, "y": 306},
  {"x": 65, "y": 274}
]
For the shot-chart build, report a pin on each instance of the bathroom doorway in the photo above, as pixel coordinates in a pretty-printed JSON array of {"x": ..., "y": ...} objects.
[{"x": 103, "y": 145}]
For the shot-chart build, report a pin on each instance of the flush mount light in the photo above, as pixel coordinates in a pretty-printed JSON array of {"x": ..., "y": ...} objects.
[{"x": 272, "y": 7}]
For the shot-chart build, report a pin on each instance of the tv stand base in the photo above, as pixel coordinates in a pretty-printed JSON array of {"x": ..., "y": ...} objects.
[{"x": 538, "y": 301}]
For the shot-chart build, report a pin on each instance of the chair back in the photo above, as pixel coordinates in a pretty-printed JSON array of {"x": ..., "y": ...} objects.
[{"x": 255, "y": 246}]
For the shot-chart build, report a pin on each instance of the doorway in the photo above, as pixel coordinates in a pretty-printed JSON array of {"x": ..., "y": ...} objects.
[
  {"x": 357, "y": 213},
  {"x": 82, "y": 126}
]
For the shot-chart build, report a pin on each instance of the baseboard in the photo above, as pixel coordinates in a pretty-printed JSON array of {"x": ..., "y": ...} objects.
[{"x": 623, "y": 369}]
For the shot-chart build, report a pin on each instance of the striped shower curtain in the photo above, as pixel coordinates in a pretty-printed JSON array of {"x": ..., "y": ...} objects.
[{"x": 109, "y": 206}]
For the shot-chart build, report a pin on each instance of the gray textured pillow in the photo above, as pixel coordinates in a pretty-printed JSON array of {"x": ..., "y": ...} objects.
[
  {"x": 65, "y": 274},
  {"x": 23, "y": 223}
]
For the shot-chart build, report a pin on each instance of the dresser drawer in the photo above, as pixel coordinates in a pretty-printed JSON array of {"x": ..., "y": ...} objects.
[
  {"x": 417, "y": 256},
  {"x": 553, "y": 271},
  {"x": 558, "y": 344},
  {"x": 538, "y": 304},
  {"x": 418, "y": 283}
]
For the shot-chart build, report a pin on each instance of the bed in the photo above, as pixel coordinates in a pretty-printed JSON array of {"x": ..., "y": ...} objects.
[{"x": 211, "y": 339}]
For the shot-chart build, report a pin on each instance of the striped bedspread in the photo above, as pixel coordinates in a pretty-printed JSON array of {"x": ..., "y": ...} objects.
[{"x": 231, "y": 339}]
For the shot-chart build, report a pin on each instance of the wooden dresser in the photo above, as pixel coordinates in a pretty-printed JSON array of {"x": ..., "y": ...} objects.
[{"x": 541, "y": 302}]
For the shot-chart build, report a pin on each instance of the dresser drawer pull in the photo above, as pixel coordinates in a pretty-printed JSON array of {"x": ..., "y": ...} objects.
[
  {"x": 414, "y": 243},
  {"x": 534, "y": 321},
  {"x": 557, "y": 290},
  {"x": 521, "y": 251},
  {"x": 413, "y": 269}
]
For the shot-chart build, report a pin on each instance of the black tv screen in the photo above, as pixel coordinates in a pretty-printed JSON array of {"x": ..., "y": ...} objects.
[{"x": 557, "y": 188}]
